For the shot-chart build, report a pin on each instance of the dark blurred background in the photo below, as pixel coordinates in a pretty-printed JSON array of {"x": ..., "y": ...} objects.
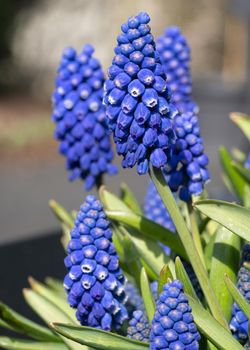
[{"x": 32, "y": 37}]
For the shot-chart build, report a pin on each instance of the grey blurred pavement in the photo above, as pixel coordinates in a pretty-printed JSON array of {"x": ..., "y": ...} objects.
[{"x": 24, "y": 193}]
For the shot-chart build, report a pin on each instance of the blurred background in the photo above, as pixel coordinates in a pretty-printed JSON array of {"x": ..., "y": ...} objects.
[{"x": 32, "y": 36}]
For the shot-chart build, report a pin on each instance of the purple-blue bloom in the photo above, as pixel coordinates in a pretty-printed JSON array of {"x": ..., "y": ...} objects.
[
  {"x": 139, "y": 327},
  {"x": 173, "y": 326},
  {"x": 239, "y": 322},
  {"x": 187, "y": 169},
  {"x": 94, "y": 283},
  {"x": 80, "y": 118},
  {"x": 137, "y": 98},
  {"x": 175, "y": 57}
]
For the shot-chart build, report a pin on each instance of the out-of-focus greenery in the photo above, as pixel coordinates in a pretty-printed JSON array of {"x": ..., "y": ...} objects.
[{"x": 24, "y": 132}]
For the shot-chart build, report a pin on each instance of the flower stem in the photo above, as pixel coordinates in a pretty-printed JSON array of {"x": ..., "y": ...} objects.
[
  {"x": 186, "y": 238},
  {"x": 195, "y": 233}
]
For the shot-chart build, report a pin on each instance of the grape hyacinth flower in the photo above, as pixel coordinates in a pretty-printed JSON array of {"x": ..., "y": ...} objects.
[
  {"x": 175, "y": 57},
  {"x": 187, "y": 168},
  {"x": 137, "y": 97},
  {"x": 239, "y": 322},
  {"x": 247, "y": 162},
  {"x": 134, "y": 299},
  {"x": 80, "y": 118},
  {"x": 139, "y": 327},
  {"x": 173, "y": 326},
  {"x": 94, "y": 283}
]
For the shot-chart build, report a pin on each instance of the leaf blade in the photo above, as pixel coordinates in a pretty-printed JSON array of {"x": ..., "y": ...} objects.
[
  {"x": 147, "y": 295},
  {"x": 20, "y": 344}
]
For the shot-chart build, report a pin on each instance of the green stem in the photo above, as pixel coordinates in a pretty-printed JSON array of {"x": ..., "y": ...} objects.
[
  {"x": 195, "y": 233},
  {"x": 184, "y": 234}
]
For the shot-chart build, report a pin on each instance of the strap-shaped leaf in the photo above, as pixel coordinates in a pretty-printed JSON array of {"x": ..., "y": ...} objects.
[
  {"x": 182, "y": 275},
  {"x": 129, "y": 198},
  {"x": 49, "y": 312},
  {"x": 147, "y": 295},
  {"x": 61, "y": 213},
  {"x": 211, "y": 328},
  {"x": 243, "y": 122},
  {"x": 165, "y": 276},
  {"x": 232, "y": 216},
  {"x": 56, "y": 285},
  {"x": 20, "y": 344},
  {"x": 243, "y": 172},
  {"x": 237, "y": 296},
  {"x": 23, "y": 325},
  {"x": 149, "y": 229},
  {"x": 236, "y": 181},
  {"x": 98, "y": 339},
  {"x": 53, "y": 297},
  {"x": 226, "y": 256}
]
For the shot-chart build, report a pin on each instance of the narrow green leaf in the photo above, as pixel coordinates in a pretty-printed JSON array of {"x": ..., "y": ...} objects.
[
  {"x": 99, "y": 339},
  {"x": 238, "y": 155},
  {"x": 49, "y": 312},
  {"x": 65, "y": 235},
  {"x": 208, "y": 251},
  {"x": 149, "y": 229},
  {"x": 6, "y": 325},
  {"x": 203, "y": 225},
  {"x": 235, "y": 179},
  {"x": 147, "y": 295},
  {"x": 225, "y": 259},
  {"x": 165, "y": 275},
  {"x": 237, "y": 296},
  {"x": 212, "y": 329},
  {"x": 185, "y": 236},
  {"x": 61, "y": 213},
  {"x": 23, "y": 325},
  {"x": 242, "y": 171},
  {"x": 53, "y": 297},
  {"x": 232, "y": 216},
  {"x": 129, "y": 198},
  {"x": 56, "y": 285},
  {"x": 111, "y": 201},
  {"x": 183, "y": 277},
  {"x": 243, "y": 122},
  {"x": 20, "y": 344}
]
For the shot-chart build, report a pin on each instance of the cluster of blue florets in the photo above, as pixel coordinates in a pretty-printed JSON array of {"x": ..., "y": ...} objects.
[
  {"x": 239, "y": 322},
  {"x": 247, "y": 162},
  {"x": 94, "y": 283},
  {"x": 173, "y": 326},
  {"x": 139, "y": 327},
  {"x": 138, "y": 103},
  {"x": 187, "y": 168},
  {"x": 81, "y": 125},
  {"x": 175, "y": 57}
]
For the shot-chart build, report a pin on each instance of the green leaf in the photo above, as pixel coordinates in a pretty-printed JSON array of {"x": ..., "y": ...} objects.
[
  {"x": 243, "y": 122},
  {"x": 235, "y": 179},
  {"x": 182, "y": 275},
  {"x": 99, "y": 339},
  {"x": 232, "y": 216},
  {"x": 208, "y": 251},
  {"x": 237, "y": 296},
  {"x": 185, "y": 236},
  {"x": 49, "y": 313},
  {"x": 238, "y": 155},
  {"x": 53, "y": 297},
  {"x": 149, "y": 229},
  {"x": 165, "y": 276},
  {"x": 129, "y": 198},
  {"x": 242, "y": 171},
  {"x": 56, "y": 285},
  {"x": 6, "y": 325},
  {"x": 61, "y": 213},
  {"x": 19, "y": 344},
  {"x": 23, "y": 325},
  {"x": 147, "y": 295},
  {"x": 211, "y": 328},
  {"x": 111, "y": 201},
  {"x": 225, "y": 259}
]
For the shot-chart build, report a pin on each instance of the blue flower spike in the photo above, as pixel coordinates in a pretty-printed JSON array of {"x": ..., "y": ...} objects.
[
  {"x": 239, "y": 322},
  {"x": 94, "y": 283},
  {"x": 173, "y": 326},
  {"x": 175, "y": 57},
  {"x": 137, "y": 98},
  {"x": 187, "y": 169},
  {"x": 80, "y": 119},
  {"x": 139, "y": 327}
]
